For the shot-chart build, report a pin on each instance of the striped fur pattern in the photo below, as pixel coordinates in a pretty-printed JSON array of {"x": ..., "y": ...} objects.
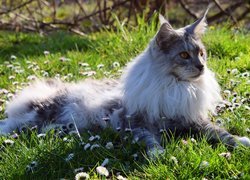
[{"x": 167, "y": 88}]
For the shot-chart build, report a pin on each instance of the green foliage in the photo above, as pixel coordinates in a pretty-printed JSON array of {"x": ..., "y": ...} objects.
[{"x": 106, "y": 54}]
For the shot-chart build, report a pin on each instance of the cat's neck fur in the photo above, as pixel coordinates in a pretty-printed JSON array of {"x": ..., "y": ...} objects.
[{"x": 156, "y": 94}]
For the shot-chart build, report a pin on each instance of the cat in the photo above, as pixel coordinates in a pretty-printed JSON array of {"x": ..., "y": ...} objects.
[{"x": 167, "y": 88}]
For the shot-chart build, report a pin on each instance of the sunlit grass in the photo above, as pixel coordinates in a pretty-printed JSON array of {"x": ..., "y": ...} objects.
[{"x": 24, "y": 57}]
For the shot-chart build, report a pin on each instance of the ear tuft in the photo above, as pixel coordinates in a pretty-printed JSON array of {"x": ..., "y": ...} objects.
[
  {"x": 162, "y": 19},
  {"x": 199, "y": 27},
  {"x": 164, "y": 22}
]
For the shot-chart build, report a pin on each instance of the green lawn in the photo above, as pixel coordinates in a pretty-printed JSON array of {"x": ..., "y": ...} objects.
[{"x": 26, "y": 56}]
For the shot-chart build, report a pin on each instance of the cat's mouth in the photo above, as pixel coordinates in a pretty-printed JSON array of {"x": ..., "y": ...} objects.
[
  {"x": 194, "y": 77},
  {"x": 197, "y": 75}
]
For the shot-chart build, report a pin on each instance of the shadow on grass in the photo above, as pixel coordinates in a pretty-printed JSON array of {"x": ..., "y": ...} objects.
[
  {"x": 29, "y": 45},
  {"x": 59, "y": 157}
]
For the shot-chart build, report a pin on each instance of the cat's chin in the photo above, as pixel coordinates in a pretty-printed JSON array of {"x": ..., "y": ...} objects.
[
  {"x": 196, "y": 77},
  {"x": 191, "y": 77}
]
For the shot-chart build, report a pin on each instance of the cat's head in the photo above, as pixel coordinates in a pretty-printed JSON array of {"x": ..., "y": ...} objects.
[{"x": 182, "y": 49}]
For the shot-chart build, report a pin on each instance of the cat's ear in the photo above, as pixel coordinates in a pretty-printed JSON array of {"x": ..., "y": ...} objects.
[
  {"x": 164, "y": 23},
  {"x": 199, "y": 27},
  {"x": 166, "y": 33},
  {"x": 162, "y": 19}
]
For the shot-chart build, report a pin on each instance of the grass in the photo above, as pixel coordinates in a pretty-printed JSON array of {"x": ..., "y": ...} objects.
[{"x": 24, "y": 56}]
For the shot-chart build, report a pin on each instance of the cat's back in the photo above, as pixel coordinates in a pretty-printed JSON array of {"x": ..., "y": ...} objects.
[{"x": 88, "y": 92}]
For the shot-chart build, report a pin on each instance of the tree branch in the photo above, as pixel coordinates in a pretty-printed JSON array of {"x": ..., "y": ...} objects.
[
  {"x": 17, "y": 7},
  {"x": 188, "y": 10}
]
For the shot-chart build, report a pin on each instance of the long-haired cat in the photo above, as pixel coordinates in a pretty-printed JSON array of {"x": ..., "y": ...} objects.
[{"x": 168, "y": 87}]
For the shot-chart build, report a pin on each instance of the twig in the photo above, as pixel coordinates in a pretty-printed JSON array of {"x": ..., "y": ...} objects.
[
  {"x": 17, "y": 7},
  {"x": 220, "y": 14},
  {"x": 99, "y": 11},
  {"x": 217, "y": 3},
  {"x": 188, "y": 10},
  {"x": 244, "y": 14},
  {"x": 77, "y": 32},
  {"x": 81, "y": 7}
]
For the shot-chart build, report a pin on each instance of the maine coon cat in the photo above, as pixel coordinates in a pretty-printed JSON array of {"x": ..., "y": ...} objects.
[{"x": 167, "y": 88}]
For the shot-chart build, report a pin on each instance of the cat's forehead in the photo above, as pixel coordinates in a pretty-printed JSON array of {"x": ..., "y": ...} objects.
[{"x": 188, "y": 41}]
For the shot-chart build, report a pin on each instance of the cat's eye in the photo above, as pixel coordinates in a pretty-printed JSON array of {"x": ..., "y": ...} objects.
[
  {"x": 201, "y": 53},
  {"x": 184, "y": 55}
]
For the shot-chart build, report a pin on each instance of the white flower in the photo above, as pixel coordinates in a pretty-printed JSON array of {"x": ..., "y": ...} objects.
[
  {"x": 42, "y": 135},
  {"x": 45, "y": 74},
  {"x": 128, "y": 117},
  {"x": 204, "y": 164},
  {"x": 120, "y": 71},
  {"x": 15, "y": 135},
  {"x": 193, "y": 140},
  {"x": 19, "y": 71},
  {"x": 116, "y": 64},
  {"x": 81, "y": 175},
  {"x": 70, "y": 75},
  {"x": 65, "y": 139},
  {"x": 118, "y": 128},
  {"x": 91, "y": 73},
  {"x": 46, "y": 62},
  {"x": 247, "y": 107},
  {"x": 83, "y": 64},
  {"x": 73, "y": 133},
  {"x": 88, "y": 73},
  {"x": 15, "y": 83},
  {"x": 78, "y": 170},
  {"x": 10, "y": 66},
  {"x": 31, "y": 77},
  {"x": 102, "y": 171},
  {"x": 46, "y": 53},
  {"x": 28, "y": 168},
  {"x": 64, "y": 59},
  {"x": 245, "y": 74},
  {"x": 33, "y": 164},
  {"x": 13, "y": 57},
  {"x": 94, "y": 146},
  {"x": 128, "y": 130},
  {"x": 120, "y": 177},
  {"x": 86, "y": 146},
  {"x": 234, "y": 71},
  {"x": 162, "y": 131},
  {"x": 174, "y": 160},
  {"x": 237, "y": 58},
  {"x": 100, "y": 66},
  {"x": 227, "y": 155},
  {"x": 97, "y": 137},
  {"x": 11, "y": 77},
  {"x": 69, "y": 157},
  {"x": 135, "y": 156},
  {"x": 10, "y": 95},
  {"x": 109, "y": 145},
  {"x": 91, "y": 138},
  {"x": 105, "y": 162},
  {"x": 8, "y": 142},
  {"x": 227, "y": 92},
  {"x": 57, "y": 76}
]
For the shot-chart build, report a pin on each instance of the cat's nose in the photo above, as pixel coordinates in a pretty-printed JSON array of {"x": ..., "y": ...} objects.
[{"x": 200, "y": 67}]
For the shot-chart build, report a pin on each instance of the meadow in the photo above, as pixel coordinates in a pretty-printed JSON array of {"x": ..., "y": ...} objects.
[{"x": 29, "y": 155}]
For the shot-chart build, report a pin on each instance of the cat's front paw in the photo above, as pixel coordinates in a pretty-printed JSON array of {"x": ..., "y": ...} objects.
[
  {"x": 245, "y": 141},
  {"x": 3, "y": 127}
]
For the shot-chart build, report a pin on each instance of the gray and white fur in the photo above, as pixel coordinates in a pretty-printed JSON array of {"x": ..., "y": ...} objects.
[{"x": 168, "y": 87}]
